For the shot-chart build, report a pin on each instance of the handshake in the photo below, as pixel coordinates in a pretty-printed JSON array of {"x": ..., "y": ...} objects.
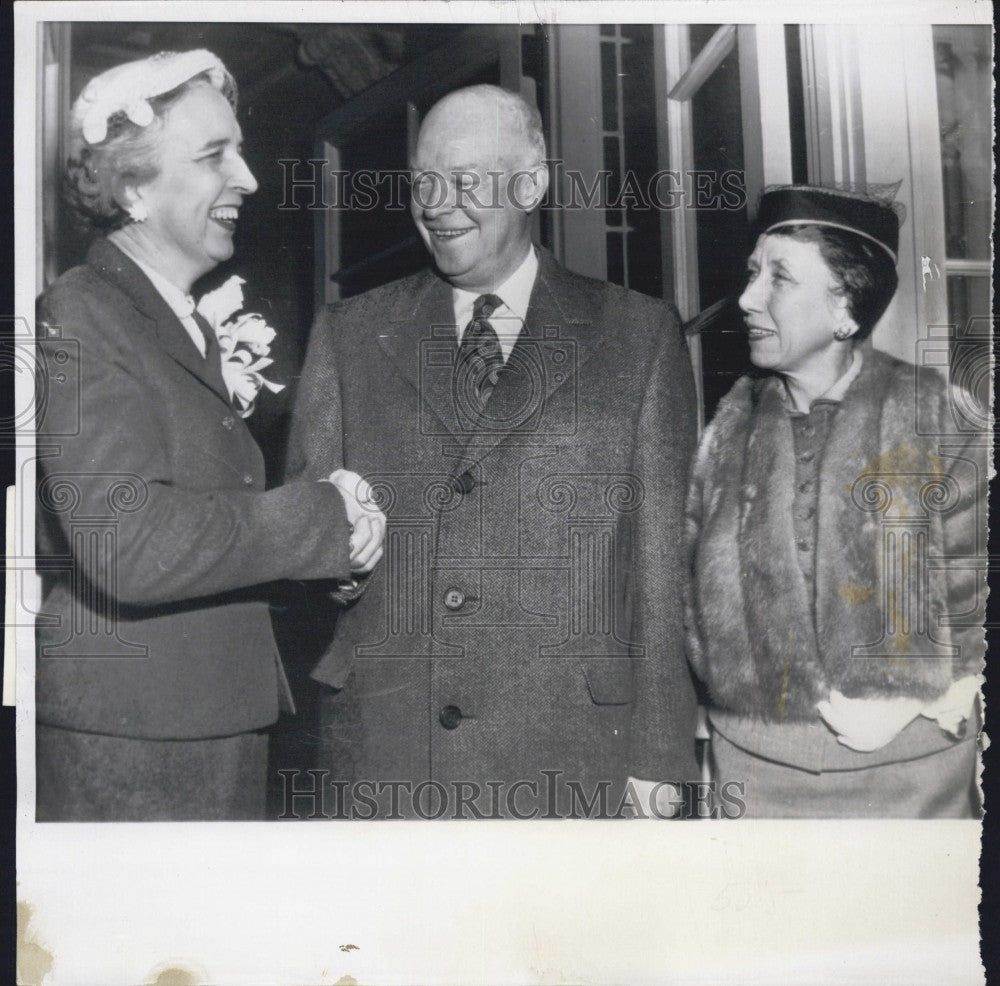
[{"x": 366, "y": 520}]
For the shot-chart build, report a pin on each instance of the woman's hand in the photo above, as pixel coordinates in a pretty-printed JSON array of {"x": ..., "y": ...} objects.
[
  {"x": 954, "y": 707},
  {"x": 866, "y": 724},
  {"x": 366, "y": 520}
]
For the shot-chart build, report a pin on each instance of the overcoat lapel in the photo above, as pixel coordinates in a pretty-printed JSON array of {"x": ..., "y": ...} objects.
[
  {"x": 115, "y": 267},
  {"x": 559, "y": 336},
  {"x": 419, "y": 336}
]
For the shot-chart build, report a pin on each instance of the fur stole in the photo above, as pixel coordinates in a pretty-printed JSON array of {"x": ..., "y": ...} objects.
[{"x": 897, "y": 604}]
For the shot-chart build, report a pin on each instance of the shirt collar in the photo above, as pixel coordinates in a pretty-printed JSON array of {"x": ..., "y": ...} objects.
[{"x": 515, "y": 293}]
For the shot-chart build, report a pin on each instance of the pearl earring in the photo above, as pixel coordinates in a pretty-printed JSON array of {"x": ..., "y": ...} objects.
[{"x": 138, "y": 212}]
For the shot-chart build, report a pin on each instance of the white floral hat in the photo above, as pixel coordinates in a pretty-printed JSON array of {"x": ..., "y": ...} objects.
[{"x": 128, "y": 88}]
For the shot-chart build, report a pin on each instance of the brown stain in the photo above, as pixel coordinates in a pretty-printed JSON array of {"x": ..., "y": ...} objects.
[
  {"x": 34, "y": 961},
  {"x": 855, "y": 595},
  {"x": 346, "y": 981},
  {"x": 907, "y": 469},
  {"x": 349, "y": 948},
  {"x": 174, "y": 972},
  {"x": 176, "y": 976},
  {"x": 900, "y": 640},
  {"x": 907, "y": 459}
]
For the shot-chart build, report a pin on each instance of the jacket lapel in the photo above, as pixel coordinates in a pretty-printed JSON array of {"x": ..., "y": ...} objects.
[{"x": 114, "y": 266}]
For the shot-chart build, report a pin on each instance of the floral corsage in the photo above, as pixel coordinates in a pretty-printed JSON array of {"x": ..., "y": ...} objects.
[{"x": 244, "y": 340}]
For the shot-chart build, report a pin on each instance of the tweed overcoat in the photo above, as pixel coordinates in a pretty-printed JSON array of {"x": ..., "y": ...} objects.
[
  {"x": 156, "y": 535},
  {"x": 899, "y": 589},
  {"x": 527, "y": 615}
]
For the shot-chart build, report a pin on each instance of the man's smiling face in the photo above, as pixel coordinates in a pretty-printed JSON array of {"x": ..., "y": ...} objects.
[{"x": 463, "y": 168}]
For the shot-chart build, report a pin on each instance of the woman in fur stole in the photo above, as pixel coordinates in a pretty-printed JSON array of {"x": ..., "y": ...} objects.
[{"x": 836, "y": 526}]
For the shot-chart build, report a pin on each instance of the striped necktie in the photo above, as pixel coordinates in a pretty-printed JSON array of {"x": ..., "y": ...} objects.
[{"x": 480, "y": 358}]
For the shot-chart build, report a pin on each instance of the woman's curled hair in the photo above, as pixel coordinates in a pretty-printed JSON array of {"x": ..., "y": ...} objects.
[{"x": 95, "y": 174}]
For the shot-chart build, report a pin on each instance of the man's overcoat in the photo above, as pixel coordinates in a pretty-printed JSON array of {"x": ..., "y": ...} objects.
[{"x": 527, "y": 615}]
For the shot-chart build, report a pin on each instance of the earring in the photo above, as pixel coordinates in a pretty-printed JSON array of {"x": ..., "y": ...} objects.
[
  {"x": 842, "y": 333},
  {"x": 138, "y": 212}
]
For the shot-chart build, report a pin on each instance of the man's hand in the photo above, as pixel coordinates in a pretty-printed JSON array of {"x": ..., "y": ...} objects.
[
  {"x": 866, "y": 724},
  {"x": 366, "y": 520}
]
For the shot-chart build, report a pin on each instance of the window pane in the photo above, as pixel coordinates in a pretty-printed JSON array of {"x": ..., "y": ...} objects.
[
  {"x": 609, "y": 85},
  {"x": 700, "y": 35},
  {"x": 971, "y": 342},
  {"x": 639, "y": 94},
  {"x": 968, "y": 298},
  {"x": 612, "y": 166},
  {"x": 964, "y": 79},
  {"x": 616, "y": 260},
  {"x": 723, "y": 245}
]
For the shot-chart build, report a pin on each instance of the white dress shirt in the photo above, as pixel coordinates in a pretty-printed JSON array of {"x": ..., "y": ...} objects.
[{"x": 508, "y": 319}]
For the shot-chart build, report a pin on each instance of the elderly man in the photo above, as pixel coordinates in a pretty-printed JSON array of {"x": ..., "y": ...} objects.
[{"x": 527, "y": 431}]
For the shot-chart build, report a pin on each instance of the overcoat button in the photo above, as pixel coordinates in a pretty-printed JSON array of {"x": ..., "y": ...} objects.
[
  {"x": 228, "y": 422},
  {"x": 454, "y": 599},
  {"x": 464, "y": 483},
  {"x": 450, "y": 717},
  {"x": 247, "y": 479}
]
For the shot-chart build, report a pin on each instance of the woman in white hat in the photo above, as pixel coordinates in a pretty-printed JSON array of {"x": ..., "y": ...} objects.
[
  {"x": 157, "y": 672},
  {"x": 836, "y": 526}
]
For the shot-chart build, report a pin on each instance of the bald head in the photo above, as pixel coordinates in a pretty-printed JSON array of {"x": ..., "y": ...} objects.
[
  {"x": 504, "y": 119},
  {"x": 479, "y": 171}
]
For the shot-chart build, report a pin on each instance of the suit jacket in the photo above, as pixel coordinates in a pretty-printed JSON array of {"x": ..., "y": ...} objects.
[
  {"x": 527, "y": 614},
  {"x": 155, "y": 530}
]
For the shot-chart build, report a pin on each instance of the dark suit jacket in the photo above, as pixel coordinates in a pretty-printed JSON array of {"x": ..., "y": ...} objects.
[
  {"x": 154, "y": 525},
  {"x": 527, "y": 613}
]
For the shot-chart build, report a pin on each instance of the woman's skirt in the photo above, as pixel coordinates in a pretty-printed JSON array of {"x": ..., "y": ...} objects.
[
  {"x": 87, "y": 777},
  {"x": 921, "y": 774}
]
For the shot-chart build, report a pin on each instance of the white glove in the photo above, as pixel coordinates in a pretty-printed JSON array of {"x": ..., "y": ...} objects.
[
  {"x": 367, "y": 521},
  {"x": 866, "y": 724},
  {"x": 955, "y": 705}
]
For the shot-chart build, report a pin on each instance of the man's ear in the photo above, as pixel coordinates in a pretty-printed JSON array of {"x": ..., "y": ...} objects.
[
  {"x": 541, "y": 175},
  {"x": 530, "y": 186}
]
